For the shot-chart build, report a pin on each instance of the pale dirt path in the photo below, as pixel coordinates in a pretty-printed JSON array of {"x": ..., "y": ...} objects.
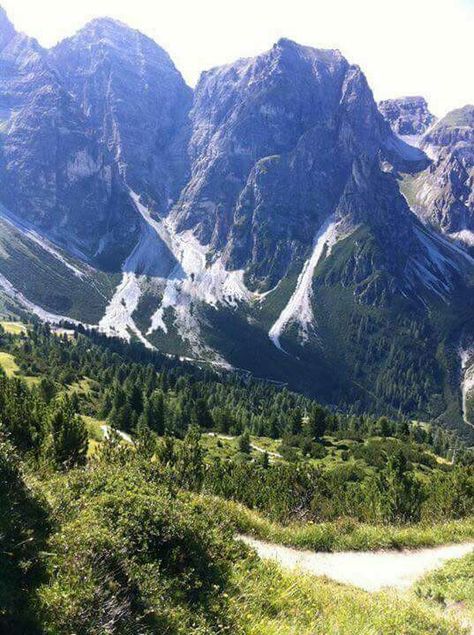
[
  {"x": 106, "y": 429},
  {"x": 368, "y": 570},
  {"x": 228, "y": 437}
]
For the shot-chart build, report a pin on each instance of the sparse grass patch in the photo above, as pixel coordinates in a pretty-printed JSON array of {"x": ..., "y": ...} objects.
[
  {"x": 453, "y": 584},
  {"x": 94, "y": 429},
  {"x": 269, "y": 601},
  {"x": 9, "y": 365}
]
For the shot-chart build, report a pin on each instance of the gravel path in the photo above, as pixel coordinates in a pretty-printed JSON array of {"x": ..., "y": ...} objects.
[{"x": 369, "y": 570}]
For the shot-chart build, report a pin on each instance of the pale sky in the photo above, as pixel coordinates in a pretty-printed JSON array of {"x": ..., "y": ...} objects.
[{"x": 405, "y": 47}]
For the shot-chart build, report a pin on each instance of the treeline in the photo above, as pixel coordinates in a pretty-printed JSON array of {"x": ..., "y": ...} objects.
[{"x": 130, "y": 386}]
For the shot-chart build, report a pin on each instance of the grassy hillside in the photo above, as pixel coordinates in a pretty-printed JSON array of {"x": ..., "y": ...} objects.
[
  {"x": 48, "y": 282},
  {"x": 274, "y": 602}
]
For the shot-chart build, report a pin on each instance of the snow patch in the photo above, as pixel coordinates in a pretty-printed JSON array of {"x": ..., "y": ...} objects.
[
  {"x": 435, "y": 265},
  {"x": 181, "y": 264},
  {"x": 193, "y": 279},
  {"x": 465, "y": 236},
  {"x": 431, "y": 151},
  {"x": 118, "y": 320},
  {"x": 299, "y": 309}
]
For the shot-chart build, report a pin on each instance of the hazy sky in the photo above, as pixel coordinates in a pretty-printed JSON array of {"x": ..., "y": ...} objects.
[{"x": 405, "y": 47}]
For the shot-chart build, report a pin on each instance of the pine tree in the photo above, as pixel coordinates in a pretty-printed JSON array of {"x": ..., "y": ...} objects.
[
  {"x": 244, "y": 443},
  {"x": 69, "y": 436}
]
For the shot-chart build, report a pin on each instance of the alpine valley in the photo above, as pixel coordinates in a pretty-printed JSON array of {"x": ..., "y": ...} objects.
[{"x": 274, "y": 220}]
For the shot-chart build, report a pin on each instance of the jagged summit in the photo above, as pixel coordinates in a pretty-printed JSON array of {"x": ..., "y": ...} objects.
[
  {"x": 459, "y": 119},
  {"x": 122, "y": 44},
  {"x": 287, "y": 43},
  {"x": 443, "y": 194},
  {"x": 408, "y": 116},
  {"x": 111, "y": 30}
]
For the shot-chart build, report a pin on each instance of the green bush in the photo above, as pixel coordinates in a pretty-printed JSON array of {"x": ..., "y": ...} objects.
[{"x": 131, "y": 557}]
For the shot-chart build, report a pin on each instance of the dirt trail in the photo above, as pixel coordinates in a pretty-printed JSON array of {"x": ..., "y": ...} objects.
[
  {"x": 228, "y": 437},
  {"x": 369, "y": 570}
]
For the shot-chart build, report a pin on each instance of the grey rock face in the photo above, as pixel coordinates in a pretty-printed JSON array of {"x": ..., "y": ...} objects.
[
  {"x": 7, "y": 30},
  {"x": 134, "y": 100},
  {"x": 71, "y": 125},
  {"x": 52, "y": 171},
  {"x": 274, "y": 140},
  {"x": 443, "y": 195},
  {"x": 408, "y": 116}
]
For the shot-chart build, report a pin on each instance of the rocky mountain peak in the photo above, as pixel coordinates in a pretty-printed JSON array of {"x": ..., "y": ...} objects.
[
  {"x": 442, "y": 195},
  {"x": 324, "y": 55},
  {"x": 102, "y": 36},
  {"x": 456, "y": 126},
  {"x": 7, "y": 30},
  {"x": 105, "y": 66},
  {"x": 408, "y": 116}
]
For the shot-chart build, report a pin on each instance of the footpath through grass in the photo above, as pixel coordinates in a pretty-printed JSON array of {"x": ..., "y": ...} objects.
[{"x": 345, "y": 534}]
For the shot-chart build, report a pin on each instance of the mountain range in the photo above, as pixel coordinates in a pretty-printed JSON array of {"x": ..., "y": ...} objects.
[{"x": 274, "y": 220}]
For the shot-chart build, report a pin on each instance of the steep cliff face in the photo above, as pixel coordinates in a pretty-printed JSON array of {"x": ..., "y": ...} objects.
[
  {"x": 134, "y": 101},
  {"x": 52, "y": 171},
  {"x": 443, "y": 195},
  {"x": 76, "y": 138},
  {"x": 274, "y": 140},
  {"x": 408, "y": 116}
]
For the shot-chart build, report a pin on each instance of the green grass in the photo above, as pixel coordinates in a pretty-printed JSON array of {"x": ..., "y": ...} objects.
[
  {"x": 11, "y": 368},
  {"x": 9, "y": 365},
  {"x": 95, "y": 434},
  {"x": 14, "y": 328},
  {"x": 46, "y": 281},
  {"x": 82, "y": 387},
  {"x": 344, "y": 534},
  {"x": 269, "y": 601},
  {"x": 451, "y": 586},
  {"x": 94, "y": 429},
  {"x": 225, "y": 448}
]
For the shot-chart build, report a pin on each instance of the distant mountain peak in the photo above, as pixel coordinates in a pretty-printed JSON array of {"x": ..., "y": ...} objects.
[
  {"x": 325, "y": 56},
  {"x": 408, "y": 116},
  {"x": 108, "y": 27},
  {"x": 111, "y": 31}
]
